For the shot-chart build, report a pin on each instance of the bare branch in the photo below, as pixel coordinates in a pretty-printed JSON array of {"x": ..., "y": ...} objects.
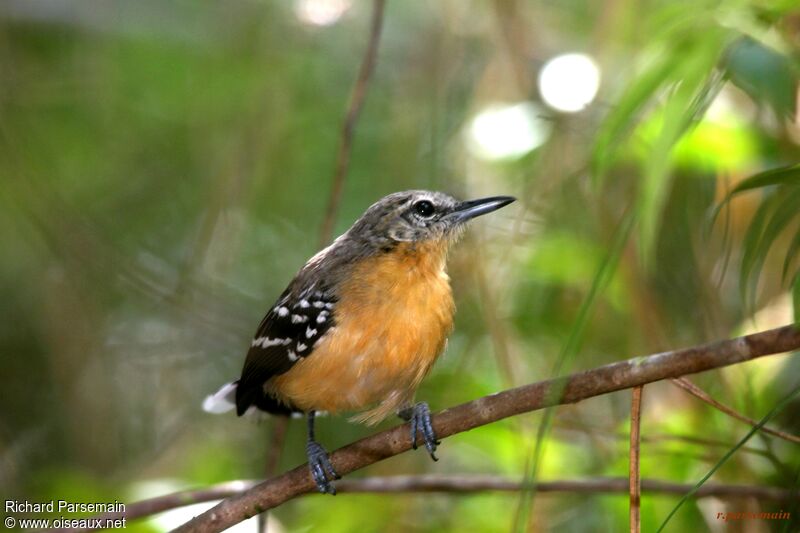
[
  {"x": 697, "y": 392},
  {"x": 470, "y": 484},
  {"x": 634, "y": 479},
  {"x": 570, "y": 389},
  {"x": 159, "y": 504},
  {"x": 348, "y": 127},
  {"x": 455, "y": 484}
]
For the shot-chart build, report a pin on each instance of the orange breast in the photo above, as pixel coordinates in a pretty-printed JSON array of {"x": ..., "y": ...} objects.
[{"x": 392, "y": 321}]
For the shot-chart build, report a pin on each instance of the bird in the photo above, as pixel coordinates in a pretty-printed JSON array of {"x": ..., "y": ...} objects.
[{"x": 361, "y": 324}]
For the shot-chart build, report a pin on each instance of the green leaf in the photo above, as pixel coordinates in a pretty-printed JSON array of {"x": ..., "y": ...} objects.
[
  {"x": 625, "y": 114},
  {"x": 791, "y": 253},
  {"x": 796, "y": 299},
  {"x": 776, "y": 176},
  {"x": 751, "y": 242},
  {"x": 698, "y": 85},
  {"x": 757, "y": 243},
  {"x": 767, "y": 75}
]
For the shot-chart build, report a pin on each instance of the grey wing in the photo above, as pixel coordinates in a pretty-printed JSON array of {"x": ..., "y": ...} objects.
[{"x": 287, "y": 333}]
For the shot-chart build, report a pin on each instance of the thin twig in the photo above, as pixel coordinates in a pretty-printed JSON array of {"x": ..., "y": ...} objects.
[
  {"x": 357, "y": 98},
  {"x": 453, "y": 484},
  {"x": 348, "y": 127},
  {"x": 469, "y": 484},
  {"x": 634, "y": 479},
  {"x": 570, "y": 389},
  {"x": 598, "y": 431},
  {"x": 277, "y": 430},
  {"x": 697, "y": 392}
]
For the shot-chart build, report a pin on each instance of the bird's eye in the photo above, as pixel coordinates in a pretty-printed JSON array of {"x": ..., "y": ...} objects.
[{"x": 424, "y": 208}]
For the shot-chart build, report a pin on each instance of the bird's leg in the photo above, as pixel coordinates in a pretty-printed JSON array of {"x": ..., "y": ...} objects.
[
  {"x": 420, "y": 417},
  {"x": 321, "y": 468}
]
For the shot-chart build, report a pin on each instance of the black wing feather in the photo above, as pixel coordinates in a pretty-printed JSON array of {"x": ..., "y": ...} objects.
[{"x": 287, "y": 333}]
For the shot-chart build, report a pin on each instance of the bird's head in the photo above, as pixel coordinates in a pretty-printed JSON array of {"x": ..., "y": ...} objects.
[{"x": 420, "y": 216}]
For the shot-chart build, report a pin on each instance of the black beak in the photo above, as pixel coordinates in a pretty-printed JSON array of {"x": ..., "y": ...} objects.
[{"x": 475, "y": 208}]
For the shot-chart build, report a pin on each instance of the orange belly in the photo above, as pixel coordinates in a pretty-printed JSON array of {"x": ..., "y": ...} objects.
[{"x": 391, "y": 323}]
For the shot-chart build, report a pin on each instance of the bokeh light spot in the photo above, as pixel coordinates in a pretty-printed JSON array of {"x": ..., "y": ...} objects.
[
  {"x": 569, "y": 82},
  {"x": 320, "y": 12},
  {"x": 507, "y": 131}
]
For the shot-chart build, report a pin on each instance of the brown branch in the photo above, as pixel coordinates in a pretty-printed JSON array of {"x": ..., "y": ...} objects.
[
  {"x": 570, "y": 389},
  {"x": 697, "y": 392},
  {"x": 470, "y": 484},
  {"x": 454, "y": 484},
  {"x": 159, "y": 504},
  {"x": 348, "y": 127},
  {"x": 634, "y": 479}
]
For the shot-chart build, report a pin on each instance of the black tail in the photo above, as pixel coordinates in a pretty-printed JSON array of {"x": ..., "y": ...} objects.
[{"x": 250, "y": 395}]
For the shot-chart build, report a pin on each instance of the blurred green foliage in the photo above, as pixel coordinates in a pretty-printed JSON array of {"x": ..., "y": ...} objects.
[{"x": 165, "y": 168}]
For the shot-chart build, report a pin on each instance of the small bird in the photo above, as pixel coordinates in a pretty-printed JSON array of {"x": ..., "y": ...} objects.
[{"x": 361, "y": 324}]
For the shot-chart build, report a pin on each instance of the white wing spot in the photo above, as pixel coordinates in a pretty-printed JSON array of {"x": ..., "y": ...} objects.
[
  {"x": 301, "y": 347},
  {"x": 283, "y": 311},
  {"x": 329, "y": 306},
  {"x": 321, "y": 318},
  {"x": 292, "y": 356},
  {"x": 304, "y": 303},
  {"x": 299, "y": 319},
  {"x": 266, "y": 342},
  {"x": 318, "y": 304},
  {"x": 286, "y": 341},
  {"x": 310, "y": 332}
]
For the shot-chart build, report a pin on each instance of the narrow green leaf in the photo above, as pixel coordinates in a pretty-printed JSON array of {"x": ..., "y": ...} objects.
[
  {"x": 796, "y": 299},
  {"x": 766, "y": 74},
  {"x": 751, "y": 242},
  {"x": 783, "y": 212},
  {"x": 791, "y": 253},
  {"x": 625, "y": 114},
  {"x": 776, "y": 176},
  {"x": 603, "y": 276},
  {"x": 769, "y": 416},
  {"x": 698, "y": 86}
]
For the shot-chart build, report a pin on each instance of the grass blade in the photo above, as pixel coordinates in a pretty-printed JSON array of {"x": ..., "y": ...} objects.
[
  {"x": 601, "y": 280},
  {"x": 769, "y": 416},
  {"x": 796, "y": 299},
  {"x": 776, "y": 176},
  {"x": 622, "y": 118},
  {"x": 784, "y": 208}
]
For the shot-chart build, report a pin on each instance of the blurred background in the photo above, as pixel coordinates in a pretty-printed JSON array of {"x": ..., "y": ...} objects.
[{"x": 166, "y": 168}]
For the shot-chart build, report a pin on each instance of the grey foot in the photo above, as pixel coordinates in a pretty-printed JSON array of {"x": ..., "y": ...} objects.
[
  {"x": 420, "y": 418},
  {"x": 321, "y": 468}
]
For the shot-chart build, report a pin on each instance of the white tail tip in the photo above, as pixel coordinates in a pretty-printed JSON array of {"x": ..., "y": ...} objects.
[{"x": 222, "y": 401}]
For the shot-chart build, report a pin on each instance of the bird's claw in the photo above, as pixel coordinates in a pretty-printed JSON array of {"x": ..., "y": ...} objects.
[
  {"x": 321, "y": 468},
  {"x": 420, "y": 417}
]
